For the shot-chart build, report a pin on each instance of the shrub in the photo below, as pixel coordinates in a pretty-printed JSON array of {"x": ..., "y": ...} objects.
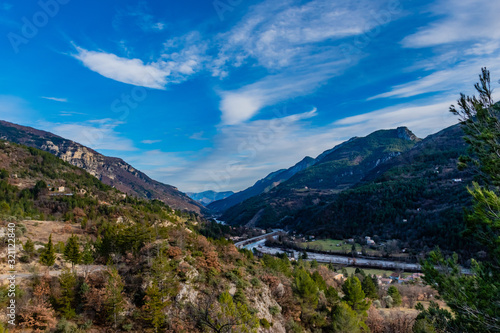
[
  {"x": 274, "y": 310},
  {"x": 255, "y": 282},
  {"x": 389, "y": 302},
  {"x": 64, "y": 326},
  {"x": 265, "y": 324},
  {"x": 24, "y": 259}
]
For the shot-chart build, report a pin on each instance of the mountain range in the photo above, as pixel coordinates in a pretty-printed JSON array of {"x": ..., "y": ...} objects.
[
  {"x": 389, "y": 184},
  {"x": 110, "y": 170},
  {"x": 333, "y": 170},
  {"x": 208, "y": 197}
]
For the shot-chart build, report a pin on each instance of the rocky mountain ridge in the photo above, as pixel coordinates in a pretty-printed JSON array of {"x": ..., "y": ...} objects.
[
  {"x": 334, "y": 169},
  {"x": 110, "y": 170}
]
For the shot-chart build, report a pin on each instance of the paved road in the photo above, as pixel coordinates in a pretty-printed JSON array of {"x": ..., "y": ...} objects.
[
  {"x": 256, "y": 239},
  {"x": 334, "y": 259}
]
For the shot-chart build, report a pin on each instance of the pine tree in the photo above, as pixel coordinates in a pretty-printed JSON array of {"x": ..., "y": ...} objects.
[
  {"x": 223, "y": 315},
  {"x": 332, "y": 296},
  {"x": 114, "y": 296},
  {"x": 320, "y": 282},
  {"x": 66, "y": 301},
  {"x": 396, "y": 296},
  {"x": 48, "y": 255},
  {"x": 72, "y": 251},
  {"x": 154, "y": 307},
  {"x": 474, "y": 298},
  {"x": 346, "y": 320},
  {"x": 29, "y": 247},
  {"x": 354, "y": 295},
  {"x": 369, "y": 288},
  {"x": 87, "y": 254},
  {"x": 306, "y": 288}
]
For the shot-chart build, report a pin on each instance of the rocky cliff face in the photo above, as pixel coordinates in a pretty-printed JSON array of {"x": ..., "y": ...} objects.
[{"x": 110, "y": 170}]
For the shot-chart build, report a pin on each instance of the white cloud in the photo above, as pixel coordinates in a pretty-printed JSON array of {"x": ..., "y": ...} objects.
[
  {"x": 158, "y": 26},
  {"x": 280, "y": 34},
  {"x": 460, "y": 77},
  {"x": 57, "y": 99},
  {"x": 242, "y": 104},
  {"x": 480, "y": 49},
  {"x": 464, "y": 36},
  {"x": 181, "y": 58},
  {"x": 198, "y": 136},
  {"x": 422, "y": 119},
  {"x": 458, "y": 21},
  {"x": 238, "y": 107},
  {"x": 71, "y": 113},
  {"x": 299, "y": 44},
  {"x": 150, "y": 142},
  {"x": 130, "y": 71}
]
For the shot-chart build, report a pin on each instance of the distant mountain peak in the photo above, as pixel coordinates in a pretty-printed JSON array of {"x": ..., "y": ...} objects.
[
  {"x": 208, "y": 197},
  {"x": 406, "y": 134}
]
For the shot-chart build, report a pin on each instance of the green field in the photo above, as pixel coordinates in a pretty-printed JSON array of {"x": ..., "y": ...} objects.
[
  {"x": 330, "y": 245},
  {"x": 368, "y": 271},
  {"x": 335, "y": 245}
]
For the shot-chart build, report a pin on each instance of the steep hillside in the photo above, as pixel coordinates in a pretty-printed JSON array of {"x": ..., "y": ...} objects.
[
  {"x": 333, "y": 171},
  {"x": 37, "y": 185},
  {"x": 208, "y": 197},
  {"x": 417, "y": 197},
  {"x": 347, "y": 164},
  {"x": 261, "y": 186},
  {"x": 110, "y": 170}
]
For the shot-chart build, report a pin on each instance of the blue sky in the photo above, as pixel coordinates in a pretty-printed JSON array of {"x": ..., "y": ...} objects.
[{"x": 217, "y": 94}]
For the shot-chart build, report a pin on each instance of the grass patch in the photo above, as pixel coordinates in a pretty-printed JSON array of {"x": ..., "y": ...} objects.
[{"x": 336, "y": 246}]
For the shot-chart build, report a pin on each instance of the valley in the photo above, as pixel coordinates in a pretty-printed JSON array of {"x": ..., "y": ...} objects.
[{"x": 359, "y": 234}]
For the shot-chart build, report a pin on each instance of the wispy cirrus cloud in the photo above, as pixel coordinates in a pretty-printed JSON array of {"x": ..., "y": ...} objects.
[
  {"x": 150, "y": 142},
  {"x": 445, "y": 81},
  {"x": 458, "y": 21},
  {"x": 198, "y": 136},
  {"x": 286, "y": 33},
  {"x": 300, "y": 44},
  {"x": 240, "y": 105},
  {"x": 141, "y": 15},
  {"x": 57, "y": 99},
  {"x": 464, "y": 37},
  {"x": 422, "y": 118}
]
